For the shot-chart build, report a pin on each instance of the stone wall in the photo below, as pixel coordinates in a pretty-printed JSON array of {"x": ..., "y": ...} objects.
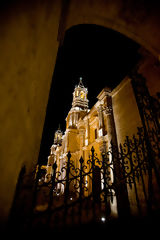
[
  {"x": 125, "y": 110},
  {"x": 28, "y": 46}
]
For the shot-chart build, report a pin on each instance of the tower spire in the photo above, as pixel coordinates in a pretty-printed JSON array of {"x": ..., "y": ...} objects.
[
  {"x": 80, "y": 83},
  {"x": 59, "y": 126},
  {"x": 58, "y": 136},
  {"x": 80, "y": 96}
]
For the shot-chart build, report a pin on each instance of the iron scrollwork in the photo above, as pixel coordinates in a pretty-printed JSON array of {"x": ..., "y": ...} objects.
[{"x": 92, "y": 185}]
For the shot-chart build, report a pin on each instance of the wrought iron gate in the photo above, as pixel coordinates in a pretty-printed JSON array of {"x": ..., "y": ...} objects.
[
  {"x": 149, "y": 109},
  {"x": 76, "y": 195}
]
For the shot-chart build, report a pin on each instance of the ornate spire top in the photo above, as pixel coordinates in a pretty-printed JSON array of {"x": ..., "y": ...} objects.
[
  {"x": 59, "y": 127},
  {"x": 80, "y": 83},
  {"x": 58, "y": 136},
  {"x": 80, "y": 96}
]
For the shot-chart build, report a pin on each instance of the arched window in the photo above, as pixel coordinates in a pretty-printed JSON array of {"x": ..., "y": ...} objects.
[
  {"x": 95, "y": 133},
  {"x": 77, "y": 93}
]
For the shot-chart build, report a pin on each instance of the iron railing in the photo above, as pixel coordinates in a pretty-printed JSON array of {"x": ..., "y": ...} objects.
[{"x": 90, "y": 192}]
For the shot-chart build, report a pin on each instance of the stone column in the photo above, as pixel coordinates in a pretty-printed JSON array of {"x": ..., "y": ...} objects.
[
  {"x": 111, "y": 132},
  {"x": 82, "y": 142},
  {"x": 101, "y": 121},
  {"x": 87, "y": 132},
  {"x": 120, "y": 187},
  {"x": 49, "y": 169}
]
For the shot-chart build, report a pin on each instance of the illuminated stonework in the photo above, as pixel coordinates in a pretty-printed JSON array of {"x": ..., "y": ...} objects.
[
  {"x": 84, "y": 128},
  {"x": 80, "y": 96}
]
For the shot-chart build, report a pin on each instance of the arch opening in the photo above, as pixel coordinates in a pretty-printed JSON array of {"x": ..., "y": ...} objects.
[{"x": 101, "y": 56}]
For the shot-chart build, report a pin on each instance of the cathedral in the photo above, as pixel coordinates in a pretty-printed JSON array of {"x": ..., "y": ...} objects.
[
  {"x": 85, "y": 128},
  {"x": 122, "y": 172}
]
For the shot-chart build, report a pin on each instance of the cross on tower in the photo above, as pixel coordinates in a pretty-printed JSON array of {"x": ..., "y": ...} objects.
[{"x": 80, "y": 82}]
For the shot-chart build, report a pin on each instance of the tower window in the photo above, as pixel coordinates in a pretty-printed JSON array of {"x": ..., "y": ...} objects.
[
  {"x": 82, "y": 94},
  {"x": 77, "y": 93},
  {"x": 95, "y": 133}
]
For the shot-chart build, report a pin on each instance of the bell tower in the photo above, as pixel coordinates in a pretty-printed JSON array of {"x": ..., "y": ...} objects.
[
  {"x": 58, "y": 137},
  {"x": 79, "y": 105},
  {"x": 80, "y": 96}
]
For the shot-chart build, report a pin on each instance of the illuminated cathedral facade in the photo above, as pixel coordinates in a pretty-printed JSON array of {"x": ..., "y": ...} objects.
[{"x": 85, "y": 128}]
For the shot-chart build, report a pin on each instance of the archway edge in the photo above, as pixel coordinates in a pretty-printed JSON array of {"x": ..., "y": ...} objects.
[{"x": 136, "y": 24}]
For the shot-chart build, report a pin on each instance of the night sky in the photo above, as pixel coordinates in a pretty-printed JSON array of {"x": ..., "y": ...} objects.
[{"x": 102, "y": 57}]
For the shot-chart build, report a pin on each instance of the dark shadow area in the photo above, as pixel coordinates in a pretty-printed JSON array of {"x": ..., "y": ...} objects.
[{"x": 102, "y": 57}]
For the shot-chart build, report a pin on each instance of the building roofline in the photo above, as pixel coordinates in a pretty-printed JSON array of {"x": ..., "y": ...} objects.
[{"x": 105, "y": 92}]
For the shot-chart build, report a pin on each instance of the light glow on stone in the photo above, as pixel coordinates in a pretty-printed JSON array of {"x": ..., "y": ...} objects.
[{"x": 103, "y": 219}]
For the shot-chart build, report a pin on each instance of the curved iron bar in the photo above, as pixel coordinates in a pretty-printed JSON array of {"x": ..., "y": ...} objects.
[{"x": 132, "y": 160}]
